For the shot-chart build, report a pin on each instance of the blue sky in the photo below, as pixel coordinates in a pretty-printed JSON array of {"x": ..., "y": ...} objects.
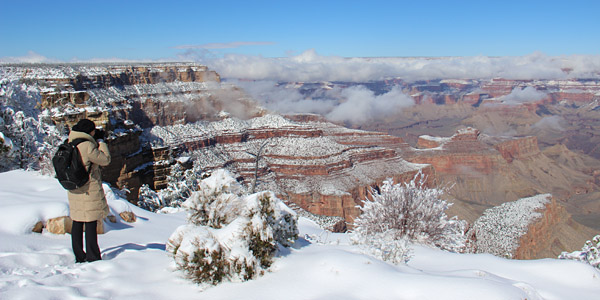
[{"x": 151, "y": 30}]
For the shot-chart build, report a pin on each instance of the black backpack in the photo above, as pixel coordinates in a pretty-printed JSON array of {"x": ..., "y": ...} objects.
[{"x": 68, "y": 165}]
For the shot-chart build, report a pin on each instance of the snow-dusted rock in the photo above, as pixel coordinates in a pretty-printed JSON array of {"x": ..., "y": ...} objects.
[
  {"x": 60, "y": 225},
  {"x": 128, "y": 216},
  {"x": 500, "y": 229}
]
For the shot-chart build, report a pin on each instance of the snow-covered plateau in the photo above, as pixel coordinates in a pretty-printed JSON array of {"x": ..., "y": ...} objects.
[{"x": 320, "y": 265}]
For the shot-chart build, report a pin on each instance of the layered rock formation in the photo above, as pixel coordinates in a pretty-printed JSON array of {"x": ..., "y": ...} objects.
[
  {"x": 487, "y": 171},
  {"x": 324, "y": 168},
  {"x": 147, "y": 94},
  {"x": 73, "y": 83},
  {"x": 125, "y": 99}
]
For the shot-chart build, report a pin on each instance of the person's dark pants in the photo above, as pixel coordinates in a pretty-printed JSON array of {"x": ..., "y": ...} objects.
[{"x": 92, "y": 251}]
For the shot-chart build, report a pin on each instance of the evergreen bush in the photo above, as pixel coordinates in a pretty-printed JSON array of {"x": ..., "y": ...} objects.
[{"x": 230, "y": 235}]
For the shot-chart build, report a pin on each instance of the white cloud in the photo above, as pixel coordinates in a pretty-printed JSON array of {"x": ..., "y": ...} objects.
[
  {"x": 520, "y": 96},
  {"x": 362, "y": 105},
  {"x": 30, "y": 58},
  {"x": 309, "y": 66},
  {"x": 355, "y": 105},
  {"x": 358, "y": 104},
  {"x": 551, "y": 122},
  {"x": 286, "y": 100}
]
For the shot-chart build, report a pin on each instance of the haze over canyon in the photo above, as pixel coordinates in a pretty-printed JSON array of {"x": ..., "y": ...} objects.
[{"x": 493, "y": 129}]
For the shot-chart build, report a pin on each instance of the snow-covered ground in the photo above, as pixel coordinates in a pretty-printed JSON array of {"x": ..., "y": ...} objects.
[{"x": 320, "y": 265}]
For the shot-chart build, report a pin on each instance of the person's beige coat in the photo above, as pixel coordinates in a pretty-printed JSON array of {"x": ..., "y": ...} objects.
[{"x": 88, "y": 202}]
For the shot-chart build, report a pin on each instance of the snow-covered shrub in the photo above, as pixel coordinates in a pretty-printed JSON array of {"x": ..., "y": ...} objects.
[
  {"x": 5, "y": 144},
  {"x": 32, "y": 139},
  {"x": 590, "y": 253},
  {"x": 51, "y": 137},
  {"x": 199, "y": 253},
  {"x": 386, "y": 246},
  {"x": 216, "y": 202},
  {"x": 180, "y": 185},
  {"x": 402, "y": 213},
  {"x": 149, "y": 199},
  {"x": 230, "y": 235}
]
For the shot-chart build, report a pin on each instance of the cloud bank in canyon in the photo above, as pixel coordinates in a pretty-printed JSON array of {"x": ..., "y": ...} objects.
[
  {"x": 261, "y": 77},
  {"x": 310, "y": 66},
  {"x": 526, "y": 95}
]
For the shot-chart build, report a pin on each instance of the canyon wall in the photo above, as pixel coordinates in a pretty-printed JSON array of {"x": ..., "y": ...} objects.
[
  {"x": 70, "y": 83},
  {"x": 485, "y": 171},
  {"x": 154, "y": 112},
  {"x": 125, "y": 99}
]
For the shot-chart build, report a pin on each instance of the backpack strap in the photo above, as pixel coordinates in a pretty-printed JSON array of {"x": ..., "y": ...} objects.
[{"x": 76, "y": 142}]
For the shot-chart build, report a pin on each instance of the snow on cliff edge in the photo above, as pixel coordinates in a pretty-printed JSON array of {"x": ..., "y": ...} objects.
[{"x": 321, "y": 265}]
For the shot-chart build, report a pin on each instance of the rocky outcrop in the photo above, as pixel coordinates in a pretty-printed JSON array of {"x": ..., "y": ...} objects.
[
  {"x": 63, "y": 225},
  {"x": 461, "y": 153},
  {"x": 60, "y": 225},
  {"x": 499, "y": 230},
  {"x": 122, "y": 75},
  {"x": 541, "y": 234},
  {"x": 128, "y": 216},
  {"x": 346, "y": 204},
  {"x": 530, "y": 228},
  {"x": 38, "y": 227},
  {"x": 147, "y": 94}
]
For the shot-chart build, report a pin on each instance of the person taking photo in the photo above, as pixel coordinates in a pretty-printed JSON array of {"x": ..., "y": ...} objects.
[{"x": 87, "y": 204}]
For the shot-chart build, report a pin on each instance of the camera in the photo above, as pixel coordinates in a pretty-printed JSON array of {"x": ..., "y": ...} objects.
[{"x": 99, "y": 134}]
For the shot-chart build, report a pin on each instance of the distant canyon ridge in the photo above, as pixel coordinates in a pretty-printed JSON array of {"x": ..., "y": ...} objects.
[{"x": 489, "y": 141}]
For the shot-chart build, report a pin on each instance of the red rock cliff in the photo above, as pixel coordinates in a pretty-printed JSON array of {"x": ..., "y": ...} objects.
[{"x": 518, "y": 148}]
